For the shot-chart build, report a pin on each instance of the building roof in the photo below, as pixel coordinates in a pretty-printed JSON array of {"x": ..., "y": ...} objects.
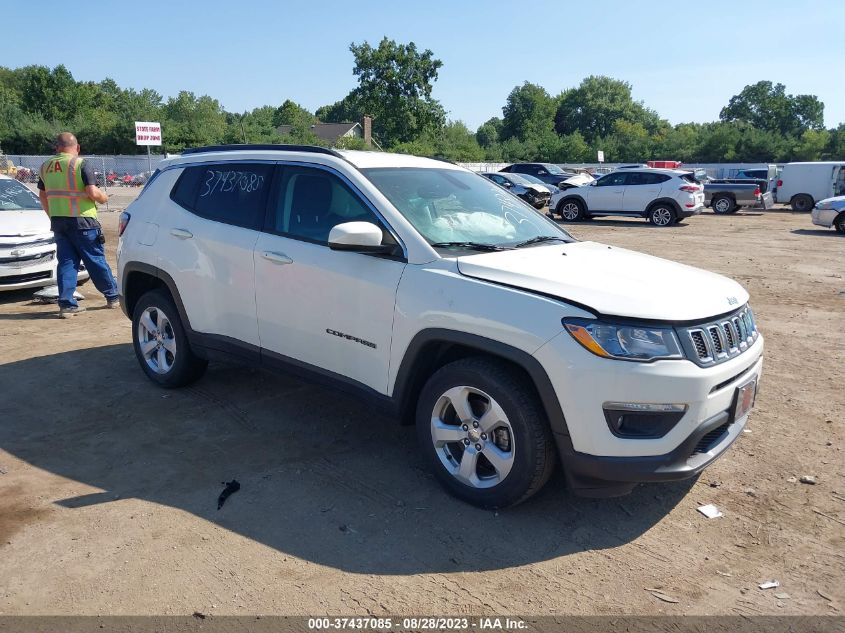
[{"x": 324, "y": 131}]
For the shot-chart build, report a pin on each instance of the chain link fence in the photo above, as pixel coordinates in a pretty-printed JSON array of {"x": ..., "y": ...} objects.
[{"x": 111, "y": 171}]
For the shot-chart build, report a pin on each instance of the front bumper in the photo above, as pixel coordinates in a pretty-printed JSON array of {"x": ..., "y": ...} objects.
[
  {"x": 598, "y": 463},
  {"x": 824, "y": 217}
]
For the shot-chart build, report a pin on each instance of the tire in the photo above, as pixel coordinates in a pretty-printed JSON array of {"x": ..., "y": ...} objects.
[
  {"x": 839, "y": 223},
  {"x": 517, "y": 438},
  {"x": 662, "y": 215},
  {"x": 160, "y": 343},
  {"x": 722, "y": 205},
  {"x": 571, "y": 210},
  {"x": 802, "y": 203}
]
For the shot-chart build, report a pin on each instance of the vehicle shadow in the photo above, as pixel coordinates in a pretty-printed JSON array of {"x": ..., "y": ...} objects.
[
  {"x": 816, "y": 232},
  {"x": 322, "y": 477}
]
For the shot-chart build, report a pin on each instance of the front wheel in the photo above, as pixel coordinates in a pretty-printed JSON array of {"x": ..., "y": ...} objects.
[
  {"x": 160, "y": 343},
  {"x": 662, "y": 215},
  {"x": 723, "y": 205},
  {"x": 571, "y": 210},
  {"x": 839, "y": 223},
  {"x": 484, "y": 434}
]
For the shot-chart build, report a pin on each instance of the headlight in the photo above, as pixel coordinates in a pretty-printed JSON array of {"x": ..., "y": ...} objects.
[
  {"x": 624, "y": 341},
  {"x": 824, "y": 206}
]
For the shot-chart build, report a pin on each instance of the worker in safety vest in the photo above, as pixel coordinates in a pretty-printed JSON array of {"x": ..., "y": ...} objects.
[{"x": 69, "y": 193}]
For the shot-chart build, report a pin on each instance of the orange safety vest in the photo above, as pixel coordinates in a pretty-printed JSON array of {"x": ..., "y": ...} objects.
[{"x": 66, "y": 197}]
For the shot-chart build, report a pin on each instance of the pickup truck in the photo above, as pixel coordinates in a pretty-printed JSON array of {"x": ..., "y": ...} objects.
[{"x": 726, "y": 198}]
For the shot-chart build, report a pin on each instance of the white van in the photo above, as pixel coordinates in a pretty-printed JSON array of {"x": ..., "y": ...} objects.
[{"x": 802, "y": 184}]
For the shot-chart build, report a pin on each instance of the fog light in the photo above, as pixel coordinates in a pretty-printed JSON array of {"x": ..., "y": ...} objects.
[{"x": 635, "y": 420}]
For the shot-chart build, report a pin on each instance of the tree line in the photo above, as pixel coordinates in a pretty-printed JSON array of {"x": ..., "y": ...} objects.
[{"x": 395, "y": 81}]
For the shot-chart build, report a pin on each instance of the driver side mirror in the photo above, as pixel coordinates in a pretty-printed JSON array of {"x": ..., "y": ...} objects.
[{"x": 358, "y": 237}]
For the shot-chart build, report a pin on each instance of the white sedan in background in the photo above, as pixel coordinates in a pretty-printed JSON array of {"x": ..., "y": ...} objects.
[
  {"x": 27, "y": 246},
  {"x": 830, "y": 212}
]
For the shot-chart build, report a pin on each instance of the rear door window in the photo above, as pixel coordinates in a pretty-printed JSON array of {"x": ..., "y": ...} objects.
[{"x": 231, "y": 193}]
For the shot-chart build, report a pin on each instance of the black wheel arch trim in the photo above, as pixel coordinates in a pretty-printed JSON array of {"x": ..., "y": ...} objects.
[
  {"x": 672, "y": 203},
  {"x": 569, "y": 198},
  {"x": 158, "y": 273},
  {"x": 407, "y": 380}
]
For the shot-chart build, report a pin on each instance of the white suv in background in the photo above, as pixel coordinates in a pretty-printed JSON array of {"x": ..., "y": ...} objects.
[
  {"x": 451, "y": 304},
  {"x": 663, "y": 196}
]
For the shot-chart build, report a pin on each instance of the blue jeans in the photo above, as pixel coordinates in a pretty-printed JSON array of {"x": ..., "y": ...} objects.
[{"x": 72, "y": 245}]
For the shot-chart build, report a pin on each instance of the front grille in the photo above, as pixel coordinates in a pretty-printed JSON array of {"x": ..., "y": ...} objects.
[
  {"x": 711, "y": 343},
  {"x": 711, "y": 439},
  {"x": 42, "y": 242},
  {"x": 29, "y": 260},
  {"x": 8, "y": 280}
]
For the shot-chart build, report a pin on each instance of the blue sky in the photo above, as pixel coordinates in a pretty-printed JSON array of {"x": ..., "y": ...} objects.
[{"x": 683, "y": 59}]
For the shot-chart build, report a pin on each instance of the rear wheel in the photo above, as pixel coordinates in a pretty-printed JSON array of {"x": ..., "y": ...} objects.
[
  {"x": 802, "y": 203},
  {"x": 571, "y": 210},
  {"x": 839, "y": 223},
  {"x": 161, "y": 345},
  {"x": 723, "y": 204},
  {"x": 661, "y": 215},
  {"x": 484, "y": 434}
]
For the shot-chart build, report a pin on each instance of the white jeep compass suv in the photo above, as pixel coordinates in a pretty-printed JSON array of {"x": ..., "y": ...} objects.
[{"x": 437, "y": 295}]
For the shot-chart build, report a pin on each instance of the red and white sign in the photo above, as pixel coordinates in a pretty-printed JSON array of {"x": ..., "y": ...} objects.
[{"x": 147, "y": 133}]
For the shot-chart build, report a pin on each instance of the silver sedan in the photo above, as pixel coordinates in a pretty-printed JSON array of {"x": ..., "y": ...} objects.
[{"x": 830, "y": 212}]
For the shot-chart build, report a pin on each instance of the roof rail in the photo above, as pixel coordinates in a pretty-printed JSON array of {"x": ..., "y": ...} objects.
[{"x": 315, "y": 149}]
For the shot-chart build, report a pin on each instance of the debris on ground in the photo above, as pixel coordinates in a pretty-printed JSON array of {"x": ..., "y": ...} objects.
[
  {"x": 726, "y": 574},
  {"x": 769, "y": 584},
  {"x": 827, "y": 516},
  {"x": 231, "y": 488},
  {"x": 3, "y": 471},
  {"x": 662, "y": 596},
  {"x": 792, "y": 480},
  {"x": 715, "y": 484},
  {"x": 808, "y": 479},
  {"x": 710, "y": 511},
  {"x": 824, "y": 595},
  {"x": 198, "y": 615},
  {"x": 782, "y": 596}
]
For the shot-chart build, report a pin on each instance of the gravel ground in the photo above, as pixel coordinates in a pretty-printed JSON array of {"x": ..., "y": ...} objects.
[{"x": 109, "y": 485}]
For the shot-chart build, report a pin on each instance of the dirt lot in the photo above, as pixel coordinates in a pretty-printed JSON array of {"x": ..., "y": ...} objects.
[{"x": 108, "y": 485}]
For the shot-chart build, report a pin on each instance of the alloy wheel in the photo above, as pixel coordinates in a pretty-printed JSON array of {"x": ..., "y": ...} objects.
[
  {"x": 662, "y": 216},
  {"x": 472, "y": 437},
  {"x": 570, "y": 211},
  {"x": 156, "y": 340}
]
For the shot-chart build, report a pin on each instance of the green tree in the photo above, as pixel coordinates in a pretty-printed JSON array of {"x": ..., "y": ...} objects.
[
  {"x": 528, "y": 113},
  {"x": 489, "y": 132},
  {"x": 192, "y": 121},
  {"x": 395, "y": 82},
  {"x": 810, "y": 145},
  {"x": 291, "y": 113},
  {"x": 768, "y": 107},
  {"x": 835, "y": 149},
  {"x": 594, "y": 107}
]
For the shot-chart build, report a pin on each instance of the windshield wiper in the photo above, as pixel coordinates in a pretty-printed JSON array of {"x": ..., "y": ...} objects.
[
  {"x": 476, "y": 245},
  {"x": 539, "y": 239}
]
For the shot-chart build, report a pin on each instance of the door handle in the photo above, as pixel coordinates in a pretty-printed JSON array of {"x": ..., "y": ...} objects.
[
  {"x": 182, "y": 234},
  {"x": 277, "y": 258}
]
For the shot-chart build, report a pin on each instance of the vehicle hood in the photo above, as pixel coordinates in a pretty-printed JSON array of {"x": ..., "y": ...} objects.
[
  {"x": 24, "y": 223},
  {"x": 537, "y": 188},
  {"x": 579, "y": 180},
  {"x": 836, "y": 202},
  {"x": 611, "y": 281}
]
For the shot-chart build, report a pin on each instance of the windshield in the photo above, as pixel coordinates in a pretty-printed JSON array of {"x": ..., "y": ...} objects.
[
  {"x": 554, "y": 169},
  {"x": 16, "y": 197},
  {"x": 518, "y": 179},
  {"x": 533, "y": 179},
  {"x": 449, "y": 205}
]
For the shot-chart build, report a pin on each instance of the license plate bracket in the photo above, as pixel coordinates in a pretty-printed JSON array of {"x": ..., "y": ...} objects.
[{"x": 744, "y": 399}]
